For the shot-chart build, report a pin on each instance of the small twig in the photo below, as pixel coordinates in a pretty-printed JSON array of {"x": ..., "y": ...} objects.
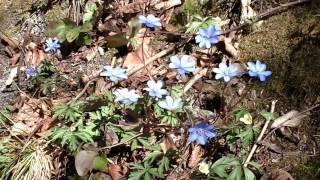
[
  {"x": 255, "y": 146},
  {"x": 142, "y": 52},
  {"x": 150, "y": 60},
  {"x": 83, "y": 91},
  {"x": 266, "y": 14},
  {"x": 195, "y": 78},
  {"x": 121, "y": 143}
]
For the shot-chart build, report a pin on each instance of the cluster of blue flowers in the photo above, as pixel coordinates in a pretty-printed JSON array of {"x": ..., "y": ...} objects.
[
  {"x": 201, "y": 132},
  {"x": 255, "y": 69}
]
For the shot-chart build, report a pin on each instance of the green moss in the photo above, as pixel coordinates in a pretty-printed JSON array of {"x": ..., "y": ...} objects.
[
  {"x": 290, "y": 44},
  {"x": 57, "y": 12},
  {"x": 309, "y": 170}
]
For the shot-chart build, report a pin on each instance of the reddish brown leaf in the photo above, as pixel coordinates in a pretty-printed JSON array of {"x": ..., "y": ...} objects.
[
  {"x": 115, "y": 172},
  {"x": 15, "y": 59}
]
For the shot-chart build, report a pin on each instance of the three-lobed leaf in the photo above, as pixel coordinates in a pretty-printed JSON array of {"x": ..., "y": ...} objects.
[{"x": 221, "y": 166}]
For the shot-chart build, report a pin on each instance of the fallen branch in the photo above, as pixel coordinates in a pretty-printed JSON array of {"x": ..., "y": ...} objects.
[
  {"x": 121, "y": 143},
  {"x": 266, "y": 14},
  {"x": 150, "y": 60},
  {"x": 255, "y": 146},
  {"x": 195, "y": 78}
]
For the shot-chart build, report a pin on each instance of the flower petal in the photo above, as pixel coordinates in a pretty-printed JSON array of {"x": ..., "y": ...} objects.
[
  {"x": 218, "y": 76},
  {"x": 266, "y": 73},
  {"x": 262, "y": 77},
  {"x": 210, "y": 134},
  {"x": 252, "y": 74},
  {"x": 226, "y": 78},
  {"x": 251, "y": 66},
  {"x": 192, "y": 137},
  {"x": 202, "y": 140}
]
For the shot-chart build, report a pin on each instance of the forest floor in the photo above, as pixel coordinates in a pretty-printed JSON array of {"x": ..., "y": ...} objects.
[{"x": 93, "y": 89}]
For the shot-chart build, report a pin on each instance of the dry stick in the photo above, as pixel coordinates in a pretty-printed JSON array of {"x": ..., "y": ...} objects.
[
  {"x": 150, "y": 60},
  {"x": 267, "y": 13},
  {"x": 255, "y": 146},
  {"x": 121, "y": 143},
  {"x": 195, "y": 78}
]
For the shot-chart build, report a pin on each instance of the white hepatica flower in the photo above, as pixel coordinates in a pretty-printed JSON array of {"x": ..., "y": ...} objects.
[
  {"x": 125, "y": 96},
  {"x": 170, "y": 103},
  {"x": 154, "y": 89}
]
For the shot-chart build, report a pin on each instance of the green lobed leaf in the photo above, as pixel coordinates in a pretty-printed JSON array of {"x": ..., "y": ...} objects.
[
  {"x": 89, "y": 11},
  {"x": 72, "y": 34},
  {"x": 268, "y": 116},
  {"x": 236, "y": 174},
  {"x": 163, "y": 165},
  {"x": 248, "y": 174},
  {"x": 100, "y": 163},
  {"x": 221, "y": 165}
]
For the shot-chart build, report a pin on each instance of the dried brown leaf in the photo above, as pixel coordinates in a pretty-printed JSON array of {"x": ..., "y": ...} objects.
[
  {"x": 34, "y": 55},
  {"x": 272, "y": 146},
  {"x": 167, "y": 144},
  {"x": 110, "y": 137},
  {"x": 167, "y": 4},
  {"x": 133, "y": 7},
  {"x": 31, "y": 114},
  {"x": 12, "y": 75},
  {"x": 84, "y": 162},
  {"x": 100, "y": 86},
  {"x": 15, "y": 59},
  {"x": 291, "y": 119},
  {"x": 229, "y": 47},
  {"x": 196, "y": 156},
  {"x": 115, "y": 172}
]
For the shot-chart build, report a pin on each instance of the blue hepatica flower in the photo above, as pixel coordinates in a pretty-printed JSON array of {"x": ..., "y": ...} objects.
[
  {"x": 115, "y": 74},
  {"x": 185, "y": 65},
  {"x": 150, "y": 21},
  {"x": 225, "y": 72},
  {"x": 30, "y": 71},
  {"x": 201, "y": 132},
  {"x": 125, "y": 96},
  {"x": 258, "y": 70},
  {"x": 207, "y": 37},
  {"x": 154, "y": 89},
  {"x": 170, "y": 103},
  {"x": 52, "y": 45}
]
